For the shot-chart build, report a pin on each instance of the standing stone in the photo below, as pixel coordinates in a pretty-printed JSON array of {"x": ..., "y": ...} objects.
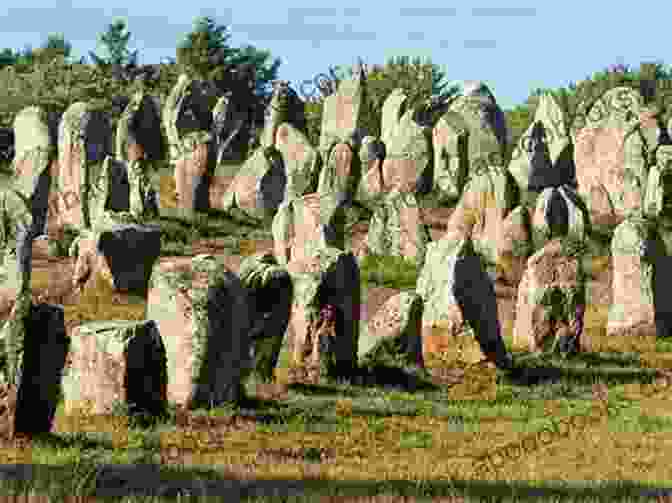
[
  {"x": 259, "y": 187},
  {"x": 300, "y": 160},
  {"x": 395, "y": 332},
  {"x": 285, "y": 160},
  {"x": 343, "y": 112},
  {"x": 551, "y": 289},
  {"x": 341, "y": 174},
  {"x": 305, "y": 225},
  {"x": 458, "y": 296},
  {"x": 139, "y": 128},
  {"x": 84, "y": 140},
  {"x": 120, "y": 361},
  {"x": 285, "y": 107},
  {"x": 407, "y": 164},
  {"x": 230, "y": 119},
  {"x": 33, "y": 370},
  {"x": 341, "y": 135},
  {"x": 6, "y": 144},
  {"x": 450, "y": 138},
  {"x": 371, "y": 157},
  {"x": 486, "y": 122},
  {"x": 397, "y": 228},
  {"x": 327, "y": 277},
  {"x": 659, "y": 185},
  {"x": 270, "y": 288},
  {"x": 24, "y": 204},
  {"x": 559, "y": 212},
  {"x": 543, "y": 157},
  {"x": 188, "y": 123},
  {"x": 635, "y": 249},
  {"x": 106, "y": 252},
  {"x": 204, "y": 317},
  {"x": 486, "y": 202},
  {"x": 610, "y": 155}
]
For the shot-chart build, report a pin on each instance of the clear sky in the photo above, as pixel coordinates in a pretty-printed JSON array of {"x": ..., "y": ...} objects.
[{"x": 513, "y": 48}]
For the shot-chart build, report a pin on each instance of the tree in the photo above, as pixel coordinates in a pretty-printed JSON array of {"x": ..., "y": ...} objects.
[
  {"x": 115, "y": 44},
  {"x": 205, "y": 50},
  {"x": 55, "y": 46}
]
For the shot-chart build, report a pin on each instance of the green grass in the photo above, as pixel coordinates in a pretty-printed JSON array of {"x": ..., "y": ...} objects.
[{"x": 356, "y": 427}]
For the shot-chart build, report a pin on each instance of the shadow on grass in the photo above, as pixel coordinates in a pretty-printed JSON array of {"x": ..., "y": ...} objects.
[
  {"x": 378, "y": 376},
  {"x": 159, "y": 480}
]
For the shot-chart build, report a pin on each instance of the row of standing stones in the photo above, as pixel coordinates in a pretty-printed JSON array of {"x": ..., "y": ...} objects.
[{"x": 528, "y": 227}]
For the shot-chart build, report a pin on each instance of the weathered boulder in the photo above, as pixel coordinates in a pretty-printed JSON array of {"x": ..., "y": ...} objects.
[
  {"x": 284, "y": 167},
  {"x": 259, "y": 187},
  {"x": 450, "y": 139},
  {"x": 35, "y": 344},
  {"x": 84, "y": 140},
  {"x": 342, "y": 113},
  {"x": 270, "y": 289},
  {"x": 341, "y": 135},
  {"x": 188, "y": 121},
  {"x": 120, "y": 361},
  {"x": 304, "y": 225},
  {"x": 395, "y": 332},
  {"x": 6, "y": 144},
  {"x": 487, "y": 201},
  {"x": 397, "y": 228},
  {"x": 106, "y": 252},
  {"x": 638, "y": 286},
  {"x": 341, "y": 173},
  {"x": 659, "y": 185},
  {"x": 139, "y": 131},
  {"x": 407, "y": 164},
  {"x": 559, "y": 212},
  {"x": 330, "y": 336},
  {"x": 204, "y": 317},
  {"x": 550, "y": 297},
  {"x": 285, "y": 106},
  {"x": 458, "y": 296},
  {"x": 24, "y": 202},
  {"x": 544, "y": 155},
  {"x": 231, "y": 117},
  {"x": 485, "y": 121},
  {"x": 300, "y": 160},
  {"x": 611, "y": 155},
  {"x": 123, "y": 187},
  {"x": 371, "y": 156}
]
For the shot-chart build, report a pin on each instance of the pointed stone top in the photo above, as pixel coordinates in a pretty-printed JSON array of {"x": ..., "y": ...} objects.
[{"x": 478, "y": 89}]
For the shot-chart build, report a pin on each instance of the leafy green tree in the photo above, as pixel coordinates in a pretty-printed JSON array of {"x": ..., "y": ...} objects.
[
  {"x": 115, "y": 46},
  {"x": 205, "y": 50}
]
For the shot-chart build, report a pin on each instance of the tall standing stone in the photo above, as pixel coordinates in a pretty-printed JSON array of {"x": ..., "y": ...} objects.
[
  {"x": 397, "y": 228},
  {"x": 84, "y": 140},
  {"x": 450, "y": 138},
  {"x": 486, "y": 122},
  {"x": 636, "y": 252},
  {"x": 610, "y": 155},
  {"x": 341, "y": 135},
  {"x": 34, "y": 369},
  {"x": 458, "y": 296},
  {"x": 543, "y": 157},
  {"x": 188, "y": 123},
  {"x": 407, "y": 164},
  {"x": 204, "y": 317},
  {"x": 270, "y": 289}
]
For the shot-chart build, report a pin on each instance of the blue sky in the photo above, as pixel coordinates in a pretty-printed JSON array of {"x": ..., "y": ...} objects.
[{"x": 513, "y": 48}]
